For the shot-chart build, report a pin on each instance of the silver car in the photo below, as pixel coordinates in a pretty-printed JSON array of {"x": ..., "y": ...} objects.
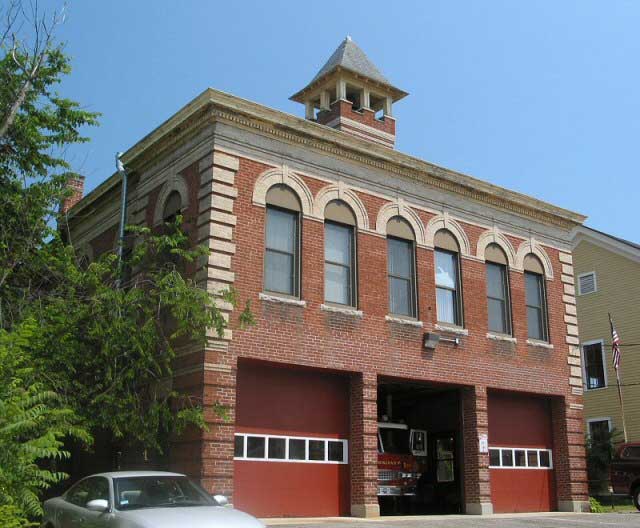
[{"x": 142, "y": 499}]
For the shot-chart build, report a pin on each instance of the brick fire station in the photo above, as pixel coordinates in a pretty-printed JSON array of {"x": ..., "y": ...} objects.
[{"x": 416, "y": 344}]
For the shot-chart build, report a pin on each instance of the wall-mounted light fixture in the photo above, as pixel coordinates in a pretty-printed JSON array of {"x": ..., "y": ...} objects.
[{"x": 430, "y": 340}]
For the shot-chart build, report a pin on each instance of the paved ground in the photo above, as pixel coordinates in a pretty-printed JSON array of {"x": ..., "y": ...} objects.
[{"x": 551, "y": 520}]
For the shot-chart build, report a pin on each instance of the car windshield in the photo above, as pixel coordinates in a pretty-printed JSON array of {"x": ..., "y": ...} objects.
[
  {"x": 158, "y": 492},
  {"x": 395, "y": 441}
]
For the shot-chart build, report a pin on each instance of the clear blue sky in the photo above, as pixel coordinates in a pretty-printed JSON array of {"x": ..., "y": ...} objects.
[{"x": 540, "y": 97}]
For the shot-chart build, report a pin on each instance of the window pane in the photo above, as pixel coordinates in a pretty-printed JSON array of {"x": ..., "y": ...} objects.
[
  {"x": 446, "y": 306},
  {"x": 494, "y": 457},
  {"x": 520, "y": 457},
  {"x": 599, "y": 431},
  {"x": 534, "y": 323},
  {"x": 316, "y": 449},
  {"x": 400, "y": 258},
  {"x": 297, "y": 450},
  {"x": 445, "y": 471},
  {"x": 495, "y": 281},
  {"x": 497, "y": 321},
  {"x": 507, "y": 458},
  {"x": 255, "y": 447},
  {"x": 446, "y": 270},
  {"x": 277, "y": 448},
  {"x": 279, "y": 275},
  {"x": 532, "y": 458},
  {"x": 281, "y": 230},
  {"x": 545, "y": 459},
  {"x": 238, "y": 447},
  {"x": 337, "y": 244},
  {"x": 400, "y": 296},
  {"x": 533, "y": 289},
  {"x": 336, "y": 451},
  {"x": 337, "y": 284}
]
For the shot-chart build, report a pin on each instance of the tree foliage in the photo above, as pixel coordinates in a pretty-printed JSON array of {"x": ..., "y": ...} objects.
[{"x": 79, "y": 348}]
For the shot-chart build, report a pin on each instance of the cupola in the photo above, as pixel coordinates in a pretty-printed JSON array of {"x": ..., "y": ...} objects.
[{"x": 350, "y": 94}]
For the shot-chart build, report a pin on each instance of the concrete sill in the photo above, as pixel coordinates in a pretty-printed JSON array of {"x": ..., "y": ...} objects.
[
  {"x": 403, "y": 321},
  {"x": 539, "y": 344},
  {"x": 344, "y": 311},
  {"x": 501, "y": 337},
  {"x": 452, "y": 329},
  {"x": 269, "y": 297}
]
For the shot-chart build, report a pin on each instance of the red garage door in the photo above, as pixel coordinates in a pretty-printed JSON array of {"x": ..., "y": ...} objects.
[
  {"x": 291, "y": 445},
  {"x": 521, "y": 453}
]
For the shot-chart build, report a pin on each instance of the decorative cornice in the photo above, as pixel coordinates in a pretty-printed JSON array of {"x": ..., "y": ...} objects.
[{"x": 214, "y": 106}]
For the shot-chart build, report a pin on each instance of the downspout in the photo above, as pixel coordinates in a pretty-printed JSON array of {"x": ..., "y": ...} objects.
[{"x": 123, "y": 215}]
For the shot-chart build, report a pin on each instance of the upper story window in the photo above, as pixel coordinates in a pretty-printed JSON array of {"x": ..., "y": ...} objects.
[
  {"x": 448, "y": 297},
  {"x": 339, "y": 254},
  {"x": 498, "y": 299},
  {"x": 282, "y": 242},
  {"x": 594, "y": 365},
  {"x": 587, "y": 283},
  {"x": 401, "y": 267},
  {"x": 536, "y": 299},
  {"x": 172, "y": 207}
]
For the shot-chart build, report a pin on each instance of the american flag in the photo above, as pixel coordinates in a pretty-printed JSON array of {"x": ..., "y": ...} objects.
[{"x": 615, "y": 345}]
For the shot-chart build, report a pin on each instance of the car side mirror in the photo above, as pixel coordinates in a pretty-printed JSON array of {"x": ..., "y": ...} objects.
[
  {"x": 221, "y": 500},
  {"x": 98, "y": 505}
]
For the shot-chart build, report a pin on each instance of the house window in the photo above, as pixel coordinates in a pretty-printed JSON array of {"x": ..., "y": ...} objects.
[
  {"x": 535, "y": 298},
  {"x": 587, "y": 283},
  {"x": 594, "y": 365},
  {"x": 498, "y": 302},
  {"x": 290, "y": 449},
  {"x": 448, "y": 305},
  {"x": 401, "y": 268},
  {"x": 599, "y": 429},
  {"x": 281, "y": 265},
  {"x": 339, "y": 254}
]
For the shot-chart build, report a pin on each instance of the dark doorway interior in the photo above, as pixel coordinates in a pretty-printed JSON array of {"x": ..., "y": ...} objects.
[{"x": 421, "y": 479}]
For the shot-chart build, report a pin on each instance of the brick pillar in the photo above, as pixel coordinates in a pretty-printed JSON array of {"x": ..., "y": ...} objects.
[
  {"x": 216, "y": 472},
  {"x": 364, "y": 446},
  {"x": 475, "y": 421},
  {"x": 569, "y": 460}
]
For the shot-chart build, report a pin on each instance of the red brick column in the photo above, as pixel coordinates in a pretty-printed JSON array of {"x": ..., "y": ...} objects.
[
  {"x": 569, "y": 460},
  {"x": 475, "y": 421},
  {"x": 364, "y": 446}
]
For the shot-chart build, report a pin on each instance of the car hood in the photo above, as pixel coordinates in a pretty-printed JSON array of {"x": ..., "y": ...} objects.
[{"x": 192, "y": 517}]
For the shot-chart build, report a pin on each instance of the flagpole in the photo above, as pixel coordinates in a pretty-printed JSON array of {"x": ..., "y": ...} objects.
[{"x": 624, "y": 423}]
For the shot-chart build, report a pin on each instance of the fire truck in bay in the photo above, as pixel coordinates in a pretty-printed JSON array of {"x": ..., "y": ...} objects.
[{"x": 401, "y": 459}]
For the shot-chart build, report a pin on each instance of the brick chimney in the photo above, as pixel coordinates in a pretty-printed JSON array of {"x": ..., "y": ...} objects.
[
  {"x": 350, "y": 94},
  {"x": 75, "y": 186}
]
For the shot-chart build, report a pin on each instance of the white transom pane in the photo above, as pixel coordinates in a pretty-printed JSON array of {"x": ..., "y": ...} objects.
[
  {"x": 446, "y": 270},
  {"x": 337, "y": 245},
  {"x": 336, "y": 284},
  {"x": 281, "y": 230},
  {"x": 399, "y": 258},
  {"x": 445, "y": 303}
]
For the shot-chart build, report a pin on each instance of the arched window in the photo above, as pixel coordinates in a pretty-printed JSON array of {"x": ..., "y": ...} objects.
[
  {"x": 339, "y": 254},
  {"x": 536, "y": 299},
  {"x": 498, "y": 297},
  {"x": 282, "y": 242},
  {"x": 447, "y": 265},
  {"x": 401, "y": 267},
  {"x": 172, "y": 207}
]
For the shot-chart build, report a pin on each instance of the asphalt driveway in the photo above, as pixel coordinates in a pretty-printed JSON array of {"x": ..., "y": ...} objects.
[{"x": 547, "y": 520}]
